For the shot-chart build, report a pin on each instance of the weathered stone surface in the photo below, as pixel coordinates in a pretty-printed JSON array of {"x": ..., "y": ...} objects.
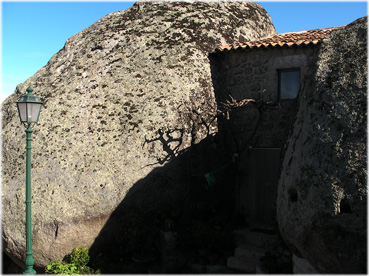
[
  {"x": 301, "y": 266},
  {"x": 322, "y": 196},
  {"x": 107, "y": 94}
]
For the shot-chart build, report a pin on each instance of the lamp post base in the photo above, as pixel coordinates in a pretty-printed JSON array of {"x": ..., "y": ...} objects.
[
  {"x": 29, "y": 264},
  {"x": 29, "y": 271}
]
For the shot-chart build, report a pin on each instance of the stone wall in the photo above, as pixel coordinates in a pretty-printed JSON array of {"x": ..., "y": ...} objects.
[
  {"x": 264, "y": 122},
  {"x": 253, "y": 74}
]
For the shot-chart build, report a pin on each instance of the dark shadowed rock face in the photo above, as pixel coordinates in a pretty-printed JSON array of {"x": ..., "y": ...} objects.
[
  {"x": 107, "y": 94},
  {"x": 322, "y": 197}
]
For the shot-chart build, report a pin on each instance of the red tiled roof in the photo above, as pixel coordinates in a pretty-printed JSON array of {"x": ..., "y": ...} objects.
[{"x": 285, "y": 39}]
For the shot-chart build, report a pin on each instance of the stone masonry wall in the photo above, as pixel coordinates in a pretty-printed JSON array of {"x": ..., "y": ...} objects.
[
  {"x": 265, "y": 123},
  {"x": 253, "y": 74}
]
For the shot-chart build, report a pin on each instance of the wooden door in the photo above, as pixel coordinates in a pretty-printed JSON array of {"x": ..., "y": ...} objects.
[{"x": 263, "y": 173}]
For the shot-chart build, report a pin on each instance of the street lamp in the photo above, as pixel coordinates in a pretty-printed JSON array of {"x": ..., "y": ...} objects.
[{"x": 29, "y": 107}]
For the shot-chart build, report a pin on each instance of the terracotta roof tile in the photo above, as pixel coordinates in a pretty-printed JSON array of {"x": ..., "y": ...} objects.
[{"x": 285, "y": 39}]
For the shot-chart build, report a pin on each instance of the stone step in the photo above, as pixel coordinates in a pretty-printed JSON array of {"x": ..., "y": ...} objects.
[
  {"x": 256, "y": 239},
  {"x": 248, "y": 251},
  {"x": 247, "y": 265}
]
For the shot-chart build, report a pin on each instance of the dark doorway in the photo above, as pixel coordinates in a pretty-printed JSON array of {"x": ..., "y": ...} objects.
[{"x": 259, "y": 193}]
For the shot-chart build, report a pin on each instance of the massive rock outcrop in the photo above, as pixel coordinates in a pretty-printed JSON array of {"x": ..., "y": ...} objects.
[
  {"x": 114, "y": 99},
  {"x": 322, "y": 196}
]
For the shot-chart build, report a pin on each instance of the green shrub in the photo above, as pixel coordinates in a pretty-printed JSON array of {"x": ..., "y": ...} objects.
[
  {"x": 60, "y": 267},
  {"x": 79, "y": 256},
  {"x": 76, "y": 264}
]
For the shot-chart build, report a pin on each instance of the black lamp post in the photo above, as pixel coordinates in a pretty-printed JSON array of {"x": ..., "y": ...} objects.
[{"x": 29, "y": 107}]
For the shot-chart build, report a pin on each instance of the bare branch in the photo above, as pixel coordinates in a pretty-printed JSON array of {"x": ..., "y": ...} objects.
[{"x": 228, "y": 105}]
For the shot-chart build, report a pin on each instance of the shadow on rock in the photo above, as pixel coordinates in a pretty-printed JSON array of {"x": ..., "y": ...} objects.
[{"x": 150, "y": 230}]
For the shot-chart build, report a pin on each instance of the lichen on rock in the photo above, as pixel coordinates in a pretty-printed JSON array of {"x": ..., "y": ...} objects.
[
  {"x": 113, "y": 85},
  {"x": 322, "y": 194}
]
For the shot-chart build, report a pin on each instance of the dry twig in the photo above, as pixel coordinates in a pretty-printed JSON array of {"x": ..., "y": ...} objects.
[{"x": 231, "y": 104}]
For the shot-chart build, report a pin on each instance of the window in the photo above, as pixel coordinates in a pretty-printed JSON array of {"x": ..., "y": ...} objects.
[{"x": 289, "y": 83}]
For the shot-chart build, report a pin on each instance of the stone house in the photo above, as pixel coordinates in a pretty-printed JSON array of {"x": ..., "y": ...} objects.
[{"x": 256, "y": 85}]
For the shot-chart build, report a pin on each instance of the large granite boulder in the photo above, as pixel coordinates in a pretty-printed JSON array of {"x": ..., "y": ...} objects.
[
  {"x": 322, "y": 194},
  {"x": 118, "y": 99}
]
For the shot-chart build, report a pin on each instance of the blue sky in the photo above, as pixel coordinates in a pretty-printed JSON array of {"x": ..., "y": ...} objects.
[{"x": 32, "y": 32}]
